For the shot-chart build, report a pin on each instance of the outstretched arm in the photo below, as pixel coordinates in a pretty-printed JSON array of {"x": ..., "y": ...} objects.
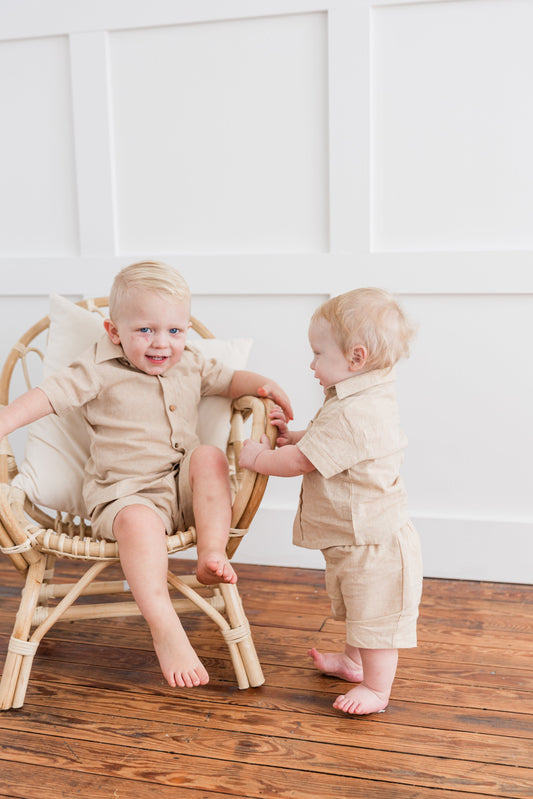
[
  {"x": 289, "y": 461},
  {"x": 27, "y": 408},
  {"x": 245, "y": 382}
]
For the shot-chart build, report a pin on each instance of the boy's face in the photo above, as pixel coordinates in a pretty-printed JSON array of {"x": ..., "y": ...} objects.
[
  {"x": 152, "y": 330},
  {"x": 329, "y": 363}
]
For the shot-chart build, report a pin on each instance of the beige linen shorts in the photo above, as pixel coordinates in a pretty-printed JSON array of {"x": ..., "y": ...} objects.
[
  {"x": 170, "y": 498},
  {"x": 376, "y": 590}
]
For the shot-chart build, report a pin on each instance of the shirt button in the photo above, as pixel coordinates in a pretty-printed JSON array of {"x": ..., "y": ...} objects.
[
  {"x": 172, "y": 407},
  {"x": 176, "y": 445}
]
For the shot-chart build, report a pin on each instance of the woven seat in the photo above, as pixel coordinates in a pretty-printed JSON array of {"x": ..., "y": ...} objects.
[{"x": 33, "y": 539}]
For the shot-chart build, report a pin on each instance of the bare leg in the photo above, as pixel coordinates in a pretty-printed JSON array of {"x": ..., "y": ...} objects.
[
  {"x": 372, "y": 695},
  {"x": 140, "y": 533},
  {"x": 346, "y": 665},
  {"x": 211, "y": 498}
]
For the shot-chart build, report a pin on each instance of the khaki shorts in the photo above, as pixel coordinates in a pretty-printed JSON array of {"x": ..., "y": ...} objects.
[
  {"x": 376, "y": 590},
  {"x": 170, "y": 498}
]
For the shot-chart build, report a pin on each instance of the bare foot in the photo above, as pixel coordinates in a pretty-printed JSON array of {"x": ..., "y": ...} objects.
[
  {"x": 361, "y": 700},
  {"x": 337, "y": 665},
  {"x": 214, "y": 567},
  {"x": 178, "y": 660}
]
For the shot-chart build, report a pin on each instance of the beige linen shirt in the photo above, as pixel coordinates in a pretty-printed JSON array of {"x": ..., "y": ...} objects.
[
  {"x": 355, "y": 495},
  {"x": 140, "y": 426}
]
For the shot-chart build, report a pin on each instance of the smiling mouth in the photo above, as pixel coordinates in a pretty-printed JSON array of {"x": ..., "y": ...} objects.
[{"x": 157, "y": 358}]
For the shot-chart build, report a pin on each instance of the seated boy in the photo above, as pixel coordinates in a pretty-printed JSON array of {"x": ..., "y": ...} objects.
[
  {"x": 139, "y": 387},
  {"x": 353, "y": 504}
]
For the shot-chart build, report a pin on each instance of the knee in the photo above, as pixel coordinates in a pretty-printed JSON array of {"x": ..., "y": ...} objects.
[
  {"x": 124, "y": 519},
  {"x": 134, "y": 518},
  {"x": 208, "y": 460}
]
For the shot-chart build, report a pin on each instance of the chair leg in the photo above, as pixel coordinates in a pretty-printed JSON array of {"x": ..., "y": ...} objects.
[
  {"x": 236, "y": 631},
  {"x": 21, "y": 651},
  {"x": 241, "y": 635}
]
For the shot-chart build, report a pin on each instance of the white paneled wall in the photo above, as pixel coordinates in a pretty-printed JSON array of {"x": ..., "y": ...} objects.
[
  {"x": 278, "y": 152},
  {"x": 221, "y": 136},
  {"x": 38, "y": 196},
  {"x": 451, "y": 126}
]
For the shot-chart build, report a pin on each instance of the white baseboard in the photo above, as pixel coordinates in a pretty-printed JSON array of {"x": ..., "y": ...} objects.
[
  {"x": 453, "y": 547},
  {"x": 269, "y": 542},
  {"x": 497, "y": 550}
]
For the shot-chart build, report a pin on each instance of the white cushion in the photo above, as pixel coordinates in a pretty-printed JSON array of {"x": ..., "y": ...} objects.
[{"x": 57, "y": 449}]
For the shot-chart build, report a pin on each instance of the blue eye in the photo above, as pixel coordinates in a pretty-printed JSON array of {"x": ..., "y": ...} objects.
[
  {"x": 174, "y": 330},
  {"x": 144, "y": 329}
]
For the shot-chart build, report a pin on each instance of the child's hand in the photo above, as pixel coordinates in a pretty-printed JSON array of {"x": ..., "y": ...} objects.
[
  {"x": 250, "y": 451},
  {"x": 276, "y": 393},
  {"x": 279, "y": 420}
]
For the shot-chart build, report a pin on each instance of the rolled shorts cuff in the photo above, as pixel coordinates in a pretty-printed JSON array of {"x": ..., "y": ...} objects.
[{"x": 104, "y": 515}]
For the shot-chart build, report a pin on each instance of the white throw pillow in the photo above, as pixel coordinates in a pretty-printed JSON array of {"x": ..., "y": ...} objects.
[{"x": 57, "y": 449}]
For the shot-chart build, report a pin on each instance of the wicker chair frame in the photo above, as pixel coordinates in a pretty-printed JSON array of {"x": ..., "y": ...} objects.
[{"x": 33, "y": 541}]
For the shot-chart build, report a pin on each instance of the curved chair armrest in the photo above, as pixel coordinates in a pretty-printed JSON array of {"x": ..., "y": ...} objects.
[{"x": 251, "y": 484}]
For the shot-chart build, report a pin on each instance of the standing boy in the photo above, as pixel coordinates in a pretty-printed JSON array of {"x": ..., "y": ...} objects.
[{"x": 353, "y": 504}]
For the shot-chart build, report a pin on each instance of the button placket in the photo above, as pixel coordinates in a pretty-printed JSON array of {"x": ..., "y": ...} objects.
[{"x": 170, "y": 408}]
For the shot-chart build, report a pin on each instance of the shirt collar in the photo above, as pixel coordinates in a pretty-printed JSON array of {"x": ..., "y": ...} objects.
[
  {"x": 106, "y": 350},
  {"x": 357, "y": 383}
]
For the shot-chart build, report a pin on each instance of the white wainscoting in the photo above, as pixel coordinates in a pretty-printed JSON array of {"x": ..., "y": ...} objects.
[{"x": 278, "y": 152}]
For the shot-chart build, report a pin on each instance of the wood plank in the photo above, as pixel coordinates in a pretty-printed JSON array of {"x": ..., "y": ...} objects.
[
  {"x": 410, "y": 669},
  {"x": 280, "y": 700},
  {"x": 73, "y": 720},
  {"x": 48, "y": 783},
  {"x": 100, "y": 721},
  {"x": 134, "y": 633},
  {"x": 256, "y": 765},
  {"x": 417, "y": 665},
  {"x": 146, "y": 675}
]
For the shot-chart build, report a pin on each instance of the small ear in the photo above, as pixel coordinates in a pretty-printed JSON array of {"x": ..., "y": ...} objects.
[
  {"x": 112, "y": 331},
  {"x": 358, "y": 358}
]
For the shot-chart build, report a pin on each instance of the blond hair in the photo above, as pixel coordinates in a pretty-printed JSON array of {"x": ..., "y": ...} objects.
[
  {"x": 151, "y": 276},
  {"x": 372, "y": 318}
]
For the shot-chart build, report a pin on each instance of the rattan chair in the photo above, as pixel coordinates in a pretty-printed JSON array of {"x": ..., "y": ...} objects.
[{"x": 32, "y": 539}]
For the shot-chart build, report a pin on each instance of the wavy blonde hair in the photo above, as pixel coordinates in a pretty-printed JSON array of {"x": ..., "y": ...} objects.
[
  {"x": 370, "y": 317},
  {"x": 153, "y": 276}
]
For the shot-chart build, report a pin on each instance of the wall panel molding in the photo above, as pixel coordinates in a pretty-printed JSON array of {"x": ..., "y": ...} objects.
[
  {"x": 89, "y": 65},
  {"x": 408, "y": 273},
  {"x": 27, "y": 18}
]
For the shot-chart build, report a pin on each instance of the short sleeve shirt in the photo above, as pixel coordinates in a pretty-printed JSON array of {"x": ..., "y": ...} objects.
[
  {"x": 356, "y": 444},
  {"x": 140, "y": 426}
]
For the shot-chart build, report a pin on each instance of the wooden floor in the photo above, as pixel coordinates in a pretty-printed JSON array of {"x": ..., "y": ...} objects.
[{"x": 100, "y": 723}]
